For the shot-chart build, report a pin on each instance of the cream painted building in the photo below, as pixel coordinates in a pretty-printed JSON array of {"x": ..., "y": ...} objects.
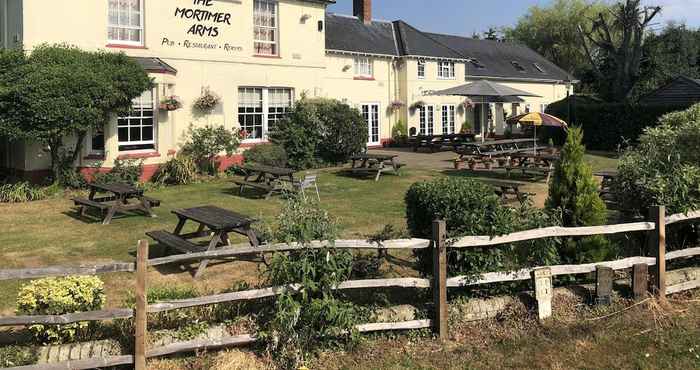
[{"x": 260, "y": 56}]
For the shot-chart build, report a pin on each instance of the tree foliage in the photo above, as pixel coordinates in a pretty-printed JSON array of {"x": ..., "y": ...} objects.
[
  {"x": 320, "y": 131},
  {"x": 56, "y": 92}
]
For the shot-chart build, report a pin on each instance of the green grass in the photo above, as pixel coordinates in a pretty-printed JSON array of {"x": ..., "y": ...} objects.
[{"x": 47, "y": 232}]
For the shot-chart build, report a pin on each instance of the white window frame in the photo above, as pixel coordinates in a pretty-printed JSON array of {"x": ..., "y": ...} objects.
[
  {"x": 446, "y": 70},
  {"x": 366, "y": 116},
  {"x": 543, "y": 107},
  {"x": 448, "y": 114},
  {"x": 140, "y": 28},
  {"x": 153, "y": 140},
  {"x": 421, "y": 69},
  {"x": 426, "y": 120},
  {"x": 364, "y": 67},
  {"x": 275, "y": 29},
  {"x": 266, "y": 115},
  {"x": 91, "y": 149}
]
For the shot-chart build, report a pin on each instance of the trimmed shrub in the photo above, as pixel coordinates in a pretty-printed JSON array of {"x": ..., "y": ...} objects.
[
  {"x": 21, "y": 192},
  {"x": 302, "y": 323},
  {"x": 321, "y": 131},
  {"x": 472, "y": 208},
  {"x": 58, "y": 296},
  {"x": 180, "y": 170},
  {"x": 266, "y": 154},
  {"x": 204, "y": 144},
  {"x": 609, "y": 126}
]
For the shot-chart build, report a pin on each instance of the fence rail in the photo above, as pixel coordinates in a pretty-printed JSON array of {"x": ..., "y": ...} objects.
[{"x": 541, "y": 277}]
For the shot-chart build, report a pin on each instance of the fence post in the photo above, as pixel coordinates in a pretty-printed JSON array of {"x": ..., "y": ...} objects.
[
  {"x": 542, "y": 278},
  {"x": 657, "y": 245},
  {"x": 440, "y": 278},
  {"x": 604, "y": 285},
  {"x": 141, "y": 306},
  {"x": 640, "y": 281}
]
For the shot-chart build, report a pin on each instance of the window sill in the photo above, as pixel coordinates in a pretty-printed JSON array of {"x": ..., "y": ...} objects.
[
  {"x": 126, "y": 46},
  {"x": 252, "y": 143},
  {"x": 267, "y": 56},
  {"x": 144, "y": 155},
  {"x": 360, "y": 78}
]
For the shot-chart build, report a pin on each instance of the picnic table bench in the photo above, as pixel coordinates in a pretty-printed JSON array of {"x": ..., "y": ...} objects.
[
  {"x": 117, "y": 200},
  {"x": 505, "y": 188},
  {"x": 266, "y": 178},
  {"x": 437, "y": 142},
  {"x": 214, "y": 223},
  {"x": 375, "y": 164}
]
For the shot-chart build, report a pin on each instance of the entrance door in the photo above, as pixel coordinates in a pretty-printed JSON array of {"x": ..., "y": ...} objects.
[
  {"x": 370, "y": 112},
  {"x": 427, "y": 120}
]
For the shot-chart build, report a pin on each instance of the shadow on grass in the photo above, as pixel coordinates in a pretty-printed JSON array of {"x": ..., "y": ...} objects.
[{"x": 91, "y": 218}]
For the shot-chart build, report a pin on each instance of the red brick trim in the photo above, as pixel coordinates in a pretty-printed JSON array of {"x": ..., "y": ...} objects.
[
  {"x": 123, "y": 46},
  {"x": 140, "y": 155},
  {"x": 364, "y": 79}
]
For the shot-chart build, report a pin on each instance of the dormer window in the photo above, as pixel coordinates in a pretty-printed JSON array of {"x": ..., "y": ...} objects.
[
  {"x": 519, "y": 67},
  {"x": 364, "y": 67},
  {"x": 539, "y": 68},
  {"x": 446, "y": 70},
  {"x": 477, "y": 64}
]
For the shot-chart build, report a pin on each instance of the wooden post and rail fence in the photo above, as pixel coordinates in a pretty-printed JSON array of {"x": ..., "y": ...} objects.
[{"x": 540, "y": 276}]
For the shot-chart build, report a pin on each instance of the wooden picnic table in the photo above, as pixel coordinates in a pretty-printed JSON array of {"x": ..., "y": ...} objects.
[
  {"x": 609, "y": 177},
  {"x": 504, "y": 188},
  {"x": 117, "y": 200},
  {"x": 375, "y": 163},
  {"x": 267, "y": 178},
  {"x": 214, "y": 223},
  {"x": 525, "y": 158}
]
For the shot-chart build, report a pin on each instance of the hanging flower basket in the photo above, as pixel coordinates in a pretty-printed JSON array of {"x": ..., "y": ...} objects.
[
  {"x": 207, "y": 102},
  {"x": 396, "y": 105},
  {"x": 170, "y": 103},
  {"x": 418, "y": 104},
  {"x": 468, "y": 104}
]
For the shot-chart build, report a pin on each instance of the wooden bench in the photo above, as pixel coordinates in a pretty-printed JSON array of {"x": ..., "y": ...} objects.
[
  {"x": 171, "y": 240},
  {"x": 87, "y": 203},
  {"x": 152, "y": 201}
]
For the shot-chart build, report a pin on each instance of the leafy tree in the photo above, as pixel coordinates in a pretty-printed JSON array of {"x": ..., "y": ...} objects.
[
  {"x": 59, "y": 92},
  {"x": 319, "y": 131},
  {"x": 614, "y": 44},
  {"x": 552, "y": 31}
]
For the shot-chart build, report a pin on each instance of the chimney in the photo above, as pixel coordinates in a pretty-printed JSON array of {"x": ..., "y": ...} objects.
[{"x": 363, "y": 9}]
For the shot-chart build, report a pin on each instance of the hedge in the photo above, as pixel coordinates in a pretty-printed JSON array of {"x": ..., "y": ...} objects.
[{"x": 608, "y": 126}]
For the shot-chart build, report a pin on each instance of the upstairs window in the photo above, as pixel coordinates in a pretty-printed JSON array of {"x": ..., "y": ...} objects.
[
  {"x": 364, "y": 67},
  {"x": 539, "y": 68},
  {"x": 446, "y": 70},
  {"x": 125, "y": 22},
  {"x": 421, "y": 68},
  {"x": 518, "y": 67},
  {"x": 266, "y": 28}
]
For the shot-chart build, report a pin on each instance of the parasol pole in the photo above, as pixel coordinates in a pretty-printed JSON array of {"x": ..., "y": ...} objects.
[{"x": 534, "y": 139}]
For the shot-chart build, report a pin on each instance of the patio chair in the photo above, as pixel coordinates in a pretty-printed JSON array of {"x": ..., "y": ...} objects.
[{"x": 308, "y": 182}]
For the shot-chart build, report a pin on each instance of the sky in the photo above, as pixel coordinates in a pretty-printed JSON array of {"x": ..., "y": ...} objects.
[{"x": 464, "y": 17}]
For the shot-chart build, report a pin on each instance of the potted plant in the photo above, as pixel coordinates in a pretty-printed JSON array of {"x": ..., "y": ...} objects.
[
  {"x": 472, "y": 164},
  {"x": 170, "y": 103},
  {"x": 458, "y": 164},
  {"x": 207, "y": 101},
  {"x": 466, "y": 127},
  {"x": 488, "y": 164}
]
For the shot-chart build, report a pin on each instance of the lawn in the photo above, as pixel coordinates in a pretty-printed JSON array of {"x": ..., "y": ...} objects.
[{"x": 48, "y": 233}]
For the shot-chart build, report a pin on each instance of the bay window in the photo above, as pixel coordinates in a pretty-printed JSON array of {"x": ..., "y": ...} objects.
[
  {"x": 136, "y": 130},
  {"x": 446, "y": 70},
  {"x": 364, "y": 67},
  {"x": 266, "y": 31},
  {"x": 125, "y": 22},
  {"x": 259, "y": 109}
]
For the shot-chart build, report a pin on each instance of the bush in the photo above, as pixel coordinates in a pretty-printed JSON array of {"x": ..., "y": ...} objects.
[
  {"x": 609, "y": 126},
  {"x": 180, "y": 170},
  {"x": 204, "y": 144},
  {"x": 321, "y": 131},
  {"x": 12, "y": 356},
  {"x": 58, "y": 296},
  {"x": 314, "y": 317},
  {"x": 472, "y": 208},
  {"x": 266, "y": 154},
  {"x": 126, "y": 171},
  {"x": 664, "y": 169},
  {"x": 21, "y": 192}
]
